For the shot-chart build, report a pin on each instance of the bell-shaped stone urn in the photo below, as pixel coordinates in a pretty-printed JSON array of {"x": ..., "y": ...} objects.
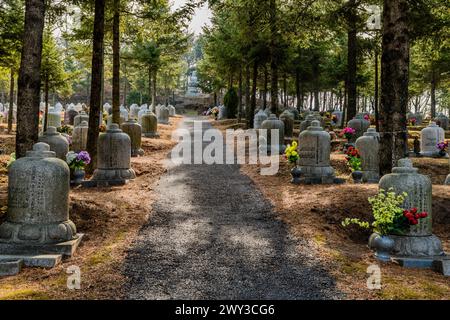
[
  {"x": 149, "y": 124},
  {"x": 339, "y": 116},
  {"x": 430, "y": 137},
  {"x": 259, "y": 118},
  {"x": 113, "y": 158},
  {"x": 38, "y": 203},
  {"x": 134, "y": 111},
  {"x": 288, "y": 119},
  {"x": 56, "y": 141},
  {"x": 273, "y": 123},
  {"x": 82, "y": 116},
  {"x": 163, "y": 115},
  {"x": 69, "y": 116},
  {"x": 54, "y": 119},
  {"x": 368, "y": 146},
  {"x": 305, "y": 124},
  {"x": 79, "y": 137},
  {"x": 134, "y": 131},
  {"x": 360, "y": 125},
  {"x": 172, "y": 111},
  {"x": 420, "y": 241},
  {"x": 442, "y": 121},
  {"x": 314, "y": 151}
]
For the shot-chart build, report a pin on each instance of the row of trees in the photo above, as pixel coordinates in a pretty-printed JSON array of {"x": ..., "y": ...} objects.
[
  {"x": 276, "y": 49},
  {"x": 68, "y": 46}
]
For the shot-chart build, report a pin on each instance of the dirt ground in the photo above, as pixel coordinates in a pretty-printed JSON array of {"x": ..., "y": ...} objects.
[
  {"x": 316, "y": 212},
  {"x": 110, "y": 219}
]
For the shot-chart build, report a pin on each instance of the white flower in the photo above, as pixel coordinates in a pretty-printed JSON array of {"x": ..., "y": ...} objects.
[{"x": 70, "y": 157}]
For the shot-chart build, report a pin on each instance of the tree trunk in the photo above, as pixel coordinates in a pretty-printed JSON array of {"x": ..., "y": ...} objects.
[
  {"x": 351, "y": 61},
  {"x": 273, "y": 56},
  {"x": 251, "y": 110},
  {"x": 240, "y": 95},
  {"x": 46, "y": 103},
  {"x": 394, "y": 84},
  {"x": 377, "y": 94},
  {"x": 11, "y": 101},
  {"x": 247, "y": 87},
  {"x": 150, "y": 77},
  {"x": 298, "y": 92},
  {"x": 155, "y": 74},
  {"x": 116, "y": 64},
  {"x": 433, "y": 94},
  {"x": 266, "y": 86},
  {"x": 29, "y": 82},
  {"x": 96, "y": 83}
]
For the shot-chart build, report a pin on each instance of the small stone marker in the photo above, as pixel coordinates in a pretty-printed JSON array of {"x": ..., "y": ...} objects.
[
  {"x": 360, "y": 125},
  {"x": 430, "y": 137},
  {"x": 288, "y": 119},
  {"x": 259, "y": 118},
  {"x": 82, "y": 116},
  {"x": 272, "y": 123},
  {"x": 79, "y": 137},
  {"x": 149, "y": 124}
]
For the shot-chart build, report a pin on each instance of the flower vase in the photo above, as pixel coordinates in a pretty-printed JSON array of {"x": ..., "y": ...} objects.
[
  {"x": 296, "y": 173},
  {"x": 77, "y": 177},
  {"x": 383, "y": 246}
]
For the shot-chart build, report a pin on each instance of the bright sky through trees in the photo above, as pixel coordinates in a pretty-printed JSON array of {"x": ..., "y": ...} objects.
[{"x": 202, "y": 16}]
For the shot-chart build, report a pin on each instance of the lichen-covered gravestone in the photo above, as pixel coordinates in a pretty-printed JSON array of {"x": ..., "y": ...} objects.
[
  {"x": 419, "y": 247},
  {"x": 259, "y": 118},
  {"x": 288, "y": 119},
  {"x": 443, "y": 121},
  {"x": 113, "y": 158},
  {"x": 272, "y": 123},
  {"x": 37, "y": 228},
  {"x": 304, "y": 125},
  {"x": 430, "y": 137},
  {"x": 360, "y": 125},
  {"x": 314, "y": 151},
  {"x": 134, "y": 131},
  {"x": 54, "y": 118},
  {"x": 56, "y": 141},
  {"x": 368, "y": 146},
  {"x": 172, "y": 111},
  {"x": 149, "y": 124},
  {"x": 82, "y": 116},
  {"x": 163, "y": 115},
  {"x": 79, "y": 137}
]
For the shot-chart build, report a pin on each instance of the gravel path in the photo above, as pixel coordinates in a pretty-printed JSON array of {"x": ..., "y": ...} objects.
[{"x": 212, "y": 235}]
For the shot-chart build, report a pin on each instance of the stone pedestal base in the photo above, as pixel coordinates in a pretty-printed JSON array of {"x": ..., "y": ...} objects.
[
  {"x": 151, "y": 135},
  {"x": 111, "y": 177},
  {"x": 439, "y": 264},
  {"x": 371, "y": 177},
  {"x": 14, "y": 256},
  {"x": 318, "y": 175},
  {"x": 417, "y": 246}
]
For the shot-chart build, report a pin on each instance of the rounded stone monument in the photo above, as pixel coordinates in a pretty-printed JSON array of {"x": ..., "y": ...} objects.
[
  {"x": 369, "y": 146},
  {"x": 38, "y": 200},
  {"x": 420, "y": 241},
  {"x": 442, "y": 121},
  {"x": 149, "y": 124},
  {"x": 172, "y": 111},
  {"x": 314, "y": 151},
  {"x": 134, "y": 131},
  {"x": 113, "y": 158},
  {"x": 288, "y": 119},
  {"x": 80, "y": 136},
  {"x": 69, "y": 116},
  {"x": 273, "y": 123},
  {"x": 141, "y": 113},
  {"x": 134, "y": 111},
  {"x": 163, "y": 115},
  {"x": 339, "y": 118},
  {"x": 53, "y": 119},
  {"x": 259, "y": 118},
  {"x": 82, "y": 116},
  {"x": 430, "y": 137},
  {"x": 305, "y": 124},
  {"x": 56, "y": 141},
  {"x": 360, "y": 125}
]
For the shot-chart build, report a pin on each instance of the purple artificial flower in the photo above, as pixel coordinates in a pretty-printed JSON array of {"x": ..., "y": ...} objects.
[{"x": 85, "y": 157}]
